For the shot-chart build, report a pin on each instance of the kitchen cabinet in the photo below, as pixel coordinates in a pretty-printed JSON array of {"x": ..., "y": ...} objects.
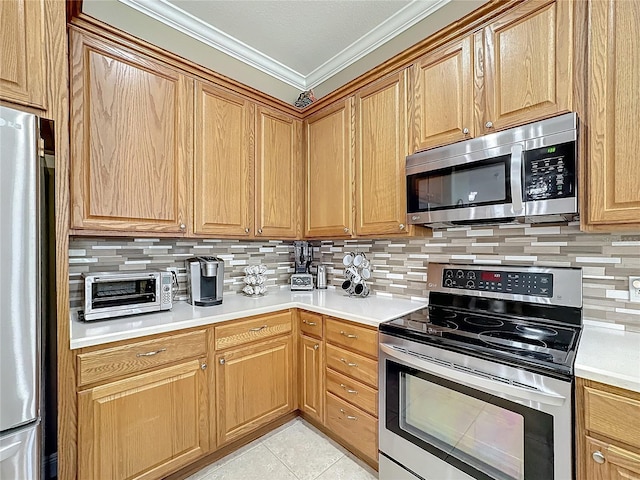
[
  {"x": 22, "y": 50},
  {"x": 148, "y": 424},
  {"x": 223, "y": 163},
  {"x": 311, "y": 373},
  {"x": 254, "y": 378},
  {"x": 381, "y": 150},
  {"x": 329, "y": 171},
  {"x": 131, "y": 142},
  {"x": 516, "y": 70},
  {"x": 278, "y": 173},
  {"x": 612, "y": 166},
  {"x": 608, "y": 432}
]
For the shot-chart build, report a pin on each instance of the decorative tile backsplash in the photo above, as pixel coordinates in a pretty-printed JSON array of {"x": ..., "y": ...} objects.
[{"x": 399, "y": 265}]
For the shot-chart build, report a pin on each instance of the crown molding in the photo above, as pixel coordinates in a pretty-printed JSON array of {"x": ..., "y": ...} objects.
[{"x": 174, "y": 17}]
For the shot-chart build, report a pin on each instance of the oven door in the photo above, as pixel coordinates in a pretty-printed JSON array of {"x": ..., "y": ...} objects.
[
  {"x": 475, "y": 186},
  {"x": 444, "y": 415}
]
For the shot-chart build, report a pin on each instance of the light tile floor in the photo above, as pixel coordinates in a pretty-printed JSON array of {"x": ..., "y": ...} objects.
[{"x": 294, "y": 451}]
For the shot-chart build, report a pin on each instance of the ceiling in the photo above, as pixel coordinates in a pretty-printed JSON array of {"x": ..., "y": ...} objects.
[{"x": 283, "y": 47}]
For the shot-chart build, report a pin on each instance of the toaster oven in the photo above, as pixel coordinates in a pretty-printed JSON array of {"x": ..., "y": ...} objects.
[{"x": 115, "y": 294}]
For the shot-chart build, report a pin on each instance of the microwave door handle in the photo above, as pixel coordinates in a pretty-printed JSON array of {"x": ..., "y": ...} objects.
[
  {"x": 516, "y": 179},
  {"x": 474, "y": 380}
]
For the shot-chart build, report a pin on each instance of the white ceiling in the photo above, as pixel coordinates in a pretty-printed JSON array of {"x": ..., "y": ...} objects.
[{"x": 301, "y": 43}]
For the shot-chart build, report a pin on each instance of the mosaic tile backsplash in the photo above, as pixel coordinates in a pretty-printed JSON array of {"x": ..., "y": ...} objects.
[{"x": 399, "y": 265}]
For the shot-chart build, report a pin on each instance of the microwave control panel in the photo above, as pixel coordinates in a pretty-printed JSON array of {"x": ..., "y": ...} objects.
[
  {"x": 550, "y": 172},
  {"x": 515, "y": 283}
]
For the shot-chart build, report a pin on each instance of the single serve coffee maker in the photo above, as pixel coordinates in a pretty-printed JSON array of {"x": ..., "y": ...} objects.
[{"x": 205, "y": 280}]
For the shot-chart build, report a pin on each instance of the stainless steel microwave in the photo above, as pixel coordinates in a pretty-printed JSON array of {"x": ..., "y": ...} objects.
[
  {"x": 115, "y": 294},
  {"x": 524, "y": 174}
]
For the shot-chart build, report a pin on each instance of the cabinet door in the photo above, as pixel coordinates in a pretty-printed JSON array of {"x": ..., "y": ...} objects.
[
  {"x": 278, "y": 174},
  {"x": 444, "y": 96},
  {"x": 254, "y": 385},
  {"x": 223, "y": 165},
  {"x": 528, "y": 72},
  {"x": 145, "y": 426},
  {"x": 311, "y": 384},
  {"x": 329, "y": 172},
  {"x": 609, "y": 462},
  {"x": 613, "y": 167},
  {"x": 130, "y": 141},
  {"x": 381, "y": 150},
  {"x": 22, "y": 52}
]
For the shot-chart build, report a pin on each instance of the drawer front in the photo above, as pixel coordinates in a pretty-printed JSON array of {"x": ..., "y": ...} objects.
[
  {"x": 353, "y": 425},
  {"x": 612, "y": 415},
  {"x": 240, "y": 332},
  {"x": 353, "y": 337},
  {"x": 353, "y": 365},
  {"x": 311, "y": 323},
  {"x": 356, "y": 393},
  {"x": 127, "y": 359}
]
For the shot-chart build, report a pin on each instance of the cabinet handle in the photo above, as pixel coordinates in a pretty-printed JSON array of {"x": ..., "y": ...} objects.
[
  {"x": 203, "y": 366},
  {"x": 182, "y": 226},
  {"x": 348, "y": 364},
  {"x": 247, "y": 230},
  {"x": 465, "y": 131},
  {"x": 348, "y": 335},
  {"x": 401, "y": 226},
  {"x": 260, "y": 231},
  {"x": 257, "y": 329},
  {"x": 348, "y": 417},
  {"x": 346, "y": 230},
  {"x": 221, "y": 361},
  {"x": 311, "y": 324},
  {"x": 488, "y": 125},
  {"x": 151, "y": 354},
  {"x": 316, "y": 346},
  {"x": 355, "y": 392},
  {"x": 598, "y": 457}
]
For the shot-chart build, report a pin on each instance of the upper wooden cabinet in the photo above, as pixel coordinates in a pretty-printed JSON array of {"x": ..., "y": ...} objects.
[
  {"x": 381, "y": 149},
  {"x": 612, "y": 167},
  {"x": 329, "y": 171},
  {"x": 22, "y": 52},
  {"x": 131, "y": 139},
  {"x": 223, "y": 164},
  {"x": 278, "y": 185},
  {"x": 443, "y": 109}
]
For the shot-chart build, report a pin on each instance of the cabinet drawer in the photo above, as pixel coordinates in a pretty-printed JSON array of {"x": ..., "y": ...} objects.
[
  {"x": 353, "y": 425},
  {"x": 246, "y": 331},
  {"x": 353, "y": 337},
  {"x": 612, "y": 415},
  {"x": 354, "y": 392},
  {"x": 311, "y": 324},
  {"x": 135, "y": 357},
  {"x": 353, "y": 365}
]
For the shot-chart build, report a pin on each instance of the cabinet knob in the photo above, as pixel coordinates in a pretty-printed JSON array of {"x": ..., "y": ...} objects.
[
  {"x": 316, "y": 346},
  {"x": 182, "y": 226},
  {"x": 598, "y": 457},
  {"x": 203, "y": 366},
  {"x": 222, "y": 361},
  {"x": 260, "y": 231},
  {"x": 466, "y": 131},
  {"x": 247, "y": 230},
  {"x": 401, "y": 226},
  {"x": 346, "y": 230},
  {"x": 488, "y": 125}
]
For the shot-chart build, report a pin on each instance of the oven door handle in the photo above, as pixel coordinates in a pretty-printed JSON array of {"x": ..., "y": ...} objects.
[
  {"x": 473, "y": 380},
  {"x": 516, "y": 179}
]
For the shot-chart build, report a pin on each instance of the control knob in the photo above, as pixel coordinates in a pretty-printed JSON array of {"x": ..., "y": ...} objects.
[
  {"x": 471, "y": 284},
  {"x": 448, "y": 282},
  {"x": 460, "y": 274}
]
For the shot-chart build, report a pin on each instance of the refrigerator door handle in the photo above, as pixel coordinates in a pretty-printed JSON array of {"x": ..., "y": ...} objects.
[{"x": 9, "y": 451}]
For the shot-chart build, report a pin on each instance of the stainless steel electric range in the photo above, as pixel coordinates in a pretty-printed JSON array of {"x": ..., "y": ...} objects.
[{"x": 479, "y": 385}]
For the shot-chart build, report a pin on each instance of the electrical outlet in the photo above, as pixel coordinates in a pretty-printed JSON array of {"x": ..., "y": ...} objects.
[{"x": 634, "y": 289}]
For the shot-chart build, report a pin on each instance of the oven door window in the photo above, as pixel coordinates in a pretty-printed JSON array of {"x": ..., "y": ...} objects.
[
  {"x": 483, "y": 435},
  {"x": 123, "y": 293},
  {"x": 485, "y": 182}
]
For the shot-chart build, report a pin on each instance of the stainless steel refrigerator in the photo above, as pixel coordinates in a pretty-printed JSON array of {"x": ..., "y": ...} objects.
[{"x": 22, "y": 294}]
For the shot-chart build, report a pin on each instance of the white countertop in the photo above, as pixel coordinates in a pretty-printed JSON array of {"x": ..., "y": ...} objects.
[
  {"x": 371, "y": 310},
  {"x": 609, "y": 356}
]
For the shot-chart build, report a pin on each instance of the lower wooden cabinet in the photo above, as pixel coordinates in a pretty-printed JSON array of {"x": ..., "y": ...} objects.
[
  {"x": 144, "y": 426},
  {"x": 311, "y": 373},
  {"x": 353, "y": 425},
  {"x": 254, "y": 385},
  {"x": 608, "y": 462}
]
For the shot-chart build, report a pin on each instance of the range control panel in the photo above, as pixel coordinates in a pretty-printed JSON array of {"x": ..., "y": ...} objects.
[{"x": 515, "y": 283}]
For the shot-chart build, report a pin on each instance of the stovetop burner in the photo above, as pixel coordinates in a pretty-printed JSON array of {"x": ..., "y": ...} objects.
[
  {"x": 511, "y": 341},
  {"x": 483, "y": 321}
]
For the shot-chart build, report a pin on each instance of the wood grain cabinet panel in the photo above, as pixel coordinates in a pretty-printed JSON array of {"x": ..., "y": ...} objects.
[
  {"x": 311, "y": 377},
  {"x": 22, "y": 52},
  {"x": 131, "y": 139},
  {"x": 613, "y": 463},
  {"x": 242, "y": 332},
  {"x": 223, "y": 164},
  {"x": 329, "y": 162},
  {"x": 528, "y": 64},
  {"x": 444, "y": 95},
  {"x": 381, "y": 149},
  {"x": 353, "y": 426},
  {"x": 613, "y": 165},
  {"x": 278, "y": 175},
  {"x": 146, "y": 426}
]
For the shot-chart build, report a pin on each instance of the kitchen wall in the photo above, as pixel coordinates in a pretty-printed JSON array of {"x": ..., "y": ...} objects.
[{"x": 399, "y": 265}]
